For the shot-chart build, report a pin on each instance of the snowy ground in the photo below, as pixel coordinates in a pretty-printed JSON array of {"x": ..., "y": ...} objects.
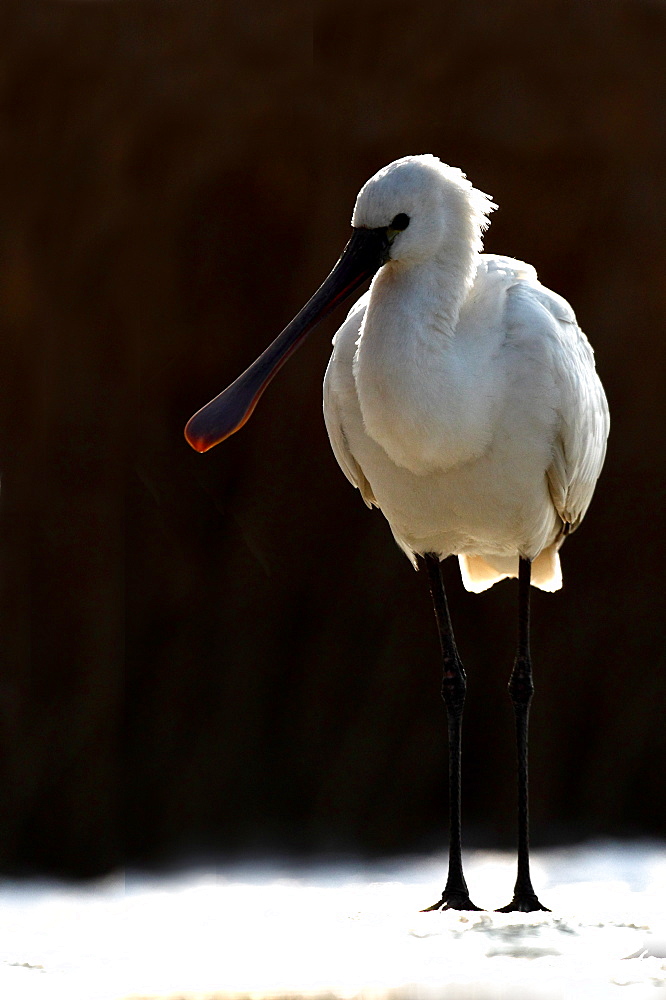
[{"x": 345, "y": 931}]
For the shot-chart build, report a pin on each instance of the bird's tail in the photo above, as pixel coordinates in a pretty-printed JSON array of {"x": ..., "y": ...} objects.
[{"x": 481, "y": 572}]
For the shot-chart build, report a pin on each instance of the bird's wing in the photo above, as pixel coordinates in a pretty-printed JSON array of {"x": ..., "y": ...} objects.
[
  {"x": 582, "y": 414},
  {"x": 573, "y": 389},
  {"x": 340, "y": 391}
]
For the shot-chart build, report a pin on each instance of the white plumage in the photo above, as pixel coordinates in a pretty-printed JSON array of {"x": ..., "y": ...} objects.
[{"x": 461, "y": 397}]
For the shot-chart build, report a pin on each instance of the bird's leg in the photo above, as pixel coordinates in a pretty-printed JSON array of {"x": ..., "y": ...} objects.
[
  {"x": 456, "y": 894},
  {"x": 521, "y": 690}
]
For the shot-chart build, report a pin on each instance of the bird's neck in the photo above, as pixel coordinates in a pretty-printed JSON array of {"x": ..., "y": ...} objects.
[{"x": 417, "y": 384}]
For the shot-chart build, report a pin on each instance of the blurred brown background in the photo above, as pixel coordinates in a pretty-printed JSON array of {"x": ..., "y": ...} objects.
[{"x": 227, "y": 653}]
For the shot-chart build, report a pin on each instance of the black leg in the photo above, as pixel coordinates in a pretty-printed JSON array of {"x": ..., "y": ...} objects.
[
  {"x": 456, "y": 894},
  {"x": 521, "y": 690}
]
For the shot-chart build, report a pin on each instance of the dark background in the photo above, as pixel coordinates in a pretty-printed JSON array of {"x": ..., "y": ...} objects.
[{"x": 228, "y": 654}]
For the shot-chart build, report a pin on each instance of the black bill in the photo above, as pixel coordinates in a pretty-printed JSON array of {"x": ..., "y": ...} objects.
[{"x": 365, "y": 253}]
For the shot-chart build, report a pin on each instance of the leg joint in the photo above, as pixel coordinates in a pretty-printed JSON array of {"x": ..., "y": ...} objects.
[
  {"x": 454, "y": 686},
  {"x": 521, "y": 686}
]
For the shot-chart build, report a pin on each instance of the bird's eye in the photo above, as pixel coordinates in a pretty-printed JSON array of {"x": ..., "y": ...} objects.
[{"x": 400, "y": 222}]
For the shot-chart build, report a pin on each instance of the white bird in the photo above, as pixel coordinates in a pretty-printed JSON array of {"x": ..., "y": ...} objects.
[{"x": 461, "y": 399}]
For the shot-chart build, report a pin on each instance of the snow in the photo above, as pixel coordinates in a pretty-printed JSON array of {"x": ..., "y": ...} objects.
[{"x": 345, "y": 931}]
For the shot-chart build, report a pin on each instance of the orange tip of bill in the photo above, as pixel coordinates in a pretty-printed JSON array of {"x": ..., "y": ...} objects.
[
  {"x": 219, "y": 419},
  {"x": 197, "y": 443}
]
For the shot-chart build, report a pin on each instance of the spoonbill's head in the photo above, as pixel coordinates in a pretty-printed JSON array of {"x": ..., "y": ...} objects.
[
  {"x": 407, "y": 213},
  {"x": 424, "y": 206}
]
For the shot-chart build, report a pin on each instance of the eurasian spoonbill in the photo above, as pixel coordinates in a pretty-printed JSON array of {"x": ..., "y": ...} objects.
[{"x": 461, "y": 399}]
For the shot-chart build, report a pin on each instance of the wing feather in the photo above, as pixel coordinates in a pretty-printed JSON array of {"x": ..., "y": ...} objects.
[
  {"x": 581, "y": 415},
  {"x": 336, "y": 385},
  {"x": 579, "y": 448}
]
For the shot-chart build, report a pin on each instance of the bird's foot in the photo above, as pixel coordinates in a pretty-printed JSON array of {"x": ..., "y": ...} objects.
[
  {"x": 525, "y": 902},
  {"x": 452, "y": 901}
]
